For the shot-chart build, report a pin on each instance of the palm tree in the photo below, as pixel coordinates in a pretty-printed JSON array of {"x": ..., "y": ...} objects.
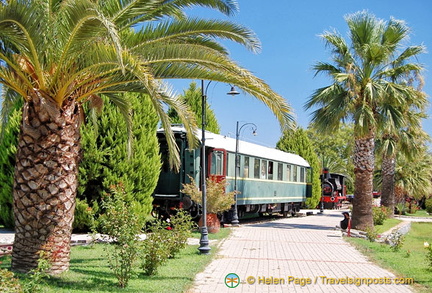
[
  {"x": 413, "y": 176},
  {"x": 59, "y": 54},
  {"x": 361, "y": 82},
  {"x": 400, "y": 127},
  {"x": 409, "y": 142}
]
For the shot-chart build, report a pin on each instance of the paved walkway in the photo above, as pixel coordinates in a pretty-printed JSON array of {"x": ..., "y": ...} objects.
[{"x": 304, "y": 254}]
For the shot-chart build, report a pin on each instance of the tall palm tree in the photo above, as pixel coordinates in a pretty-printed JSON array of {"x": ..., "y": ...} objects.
[
  {"x": 59, "y": 54},
  {"x": 360, "y": 73},
  {"x": 400, "y": 127},
  {"x": 408, "y": 141}
]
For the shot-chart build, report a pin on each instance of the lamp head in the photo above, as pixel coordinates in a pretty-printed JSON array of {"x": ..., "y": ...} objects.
[{"x": 233, "y": 92}]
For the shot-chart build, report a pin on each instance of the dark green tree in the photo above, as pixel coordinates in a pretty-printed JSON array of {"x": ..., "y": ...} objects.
[
  {"x": 334, "y": 150},
  {"x": 193, "y": 98},
  {"x": 106, "y": 161},
  {"x": 8, "y": 148},
  {"x": 297, "y": 141}
]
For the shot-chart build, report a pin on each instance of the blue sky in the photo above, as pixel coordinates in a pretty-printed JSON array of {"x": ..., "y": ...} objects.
[{"x": 289, "y": 31}]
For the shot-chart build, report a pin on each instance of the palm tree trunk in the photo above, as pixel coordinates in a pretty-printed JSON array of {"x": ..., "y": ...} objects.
[
  {"x": 388, "y": 178},
  {"x": 364, "y": 162},
  {"x": 45, "y": 184}
]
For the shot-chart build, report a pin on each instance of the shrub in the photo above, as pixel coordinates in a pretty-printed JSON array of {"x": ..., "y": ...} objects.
[
  {"x": 401, "y": 208},
  {"x": 182, "y": 226},
  {"x": 156, "y": 248},
  {"x": 429, "y": 205},
  {"x": 123, "y": 224},
  {"x": 371, "y": 234},
  {"x": 217, "y": 199},
  {"x": 380, "y": 214},
  {"x": 8, "y": 282}
]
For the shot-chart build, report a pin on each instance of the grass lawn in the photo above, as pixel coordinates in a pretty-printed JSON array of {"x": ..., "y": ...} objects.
[
  {"x": 89, "y": 271},
  {"x": 410, "y": 261},
  {"x": 420, "y": 213},
  {"x": 388, "y": 224}
]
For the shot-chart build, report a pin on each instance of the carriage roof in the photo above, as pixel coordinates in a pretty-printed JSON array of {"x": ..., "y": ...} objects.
[{"x": 246, "y": 148}]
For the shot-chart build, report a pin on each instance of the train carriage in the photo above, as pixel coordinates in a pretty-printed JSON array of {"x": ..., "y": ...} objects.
[{"x": 269, "y": 180}]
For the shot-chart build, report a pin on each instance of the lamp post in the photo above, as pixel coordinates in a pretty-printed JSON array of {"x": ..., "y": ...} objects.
[
  {"x": 204, "y": 241},
  {"x": 235, "y": 220}
]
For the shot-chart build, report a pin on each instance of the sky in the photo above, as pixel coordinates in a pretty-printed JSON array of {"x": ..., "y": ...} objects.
[{"x": 289, "y": 34}]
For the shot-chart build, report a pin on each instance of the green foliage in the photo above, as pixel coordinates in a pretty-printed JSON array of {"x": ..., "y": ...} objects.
[
  {"x": 298, "y": 142},
  {"x": 335, "y": 150},
  {"x": 8, "y": 148},
  {"x": 165, "y": 240},
  {"x": 84, "y": 215},
  {"x": 156, "y": 248},
  {"x": 193, "y": 98},
  {"x": 371, "y": 234},
  {"x": 106, "y": 160},
  {"x": 8, "y": 282},
  {"x": 401, "y": 208},
  {"x": 380, "y": 214},
  {"x": 217, "y": 199},
  {"x": 123, "y": 224},
  {"x": 429, "y": 205},
  {"x": 181, "y": 230},
  {"x": 38, "y": 275}
]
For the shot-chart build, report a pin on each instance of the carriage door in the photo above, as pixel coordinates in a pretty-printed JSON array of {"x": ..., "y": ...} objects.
[{"x": 217, "y": 164}]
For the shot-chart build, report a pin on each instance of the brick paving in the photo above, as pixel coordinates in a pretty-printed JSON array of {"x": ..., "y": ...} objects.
[{"x": 302, "y": 254}]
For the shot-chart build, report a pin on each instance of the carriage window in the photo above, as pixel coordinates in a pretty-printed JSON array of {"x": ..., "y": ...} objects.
[
  {"x": 302, "y": 174},
  {"x": 294, "y": 172},
  {"x": 263, "y": 169},
  {"x": 246, "y": 167},
  {"x": 230, "y": 166},
  {"x": 256, "y": 168},
  {"x": 216, "y": 167},
  {"x": 280, "y": 171},
  {"x": 270, "y": 170},
  {"x": 288, "y": 173}
]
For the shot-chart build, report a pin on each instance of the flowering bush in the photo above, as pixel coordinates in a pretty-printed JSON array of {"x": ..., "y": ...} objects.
[{"x": 380, "y": 214}]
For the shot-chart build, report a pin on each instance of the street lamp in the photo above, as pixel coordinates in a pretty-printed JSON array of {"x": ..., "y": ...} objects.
[
  {"x": 235, "y": 220},
  {"x": 204, "y": 241}
]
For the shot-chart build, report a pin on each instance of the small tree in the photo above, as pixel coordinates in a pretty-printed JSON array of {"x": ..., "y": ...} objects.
[
  {"x": 296, "y": 141},
  {"x": 123, "y": 224},
  {"x": 193, "y": 98}
]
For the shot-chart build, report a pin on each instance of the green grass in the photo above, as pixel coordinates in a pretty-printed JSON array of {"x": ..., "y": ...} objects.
[
  {"x": 388, "y": 224},
  {"x": 410, "y": 261},
  {"x": 420, "y": 213},
  {"x": 89, "y": 271}
]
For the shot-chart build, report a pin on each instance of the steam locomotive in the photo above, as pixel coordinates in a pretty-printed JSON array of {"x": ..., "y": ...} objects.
[{"x": 333, "y": 190}]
